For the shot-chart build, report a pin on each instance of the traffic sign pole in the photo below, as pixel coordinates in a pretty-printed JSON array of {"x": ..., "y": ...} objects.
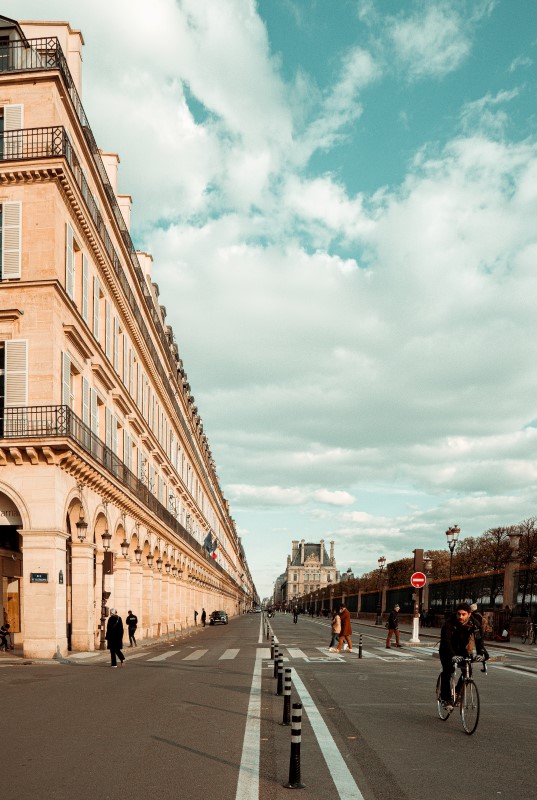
[{"x": 417, "y": 580}]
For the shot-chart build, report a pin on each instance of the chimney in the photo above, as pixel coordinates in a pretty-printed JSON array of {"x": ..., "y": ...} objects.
[
  {"x": 321, "y": 553},
  {"x": 145, "y": 260},
  {"x": 294, "y": 550},
  {"x": 111, "y": 165},
  {"x": 332, "y": 553},
  {"x": 125, "y": 202},
  {"x": 302, "y": 551}
]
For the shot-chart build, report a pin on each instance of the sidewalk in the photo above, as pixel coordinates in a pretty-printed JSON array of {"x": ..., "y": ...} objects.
[
  {"x": 430, "y": 636},
  {"x": 16, "y": 656}
]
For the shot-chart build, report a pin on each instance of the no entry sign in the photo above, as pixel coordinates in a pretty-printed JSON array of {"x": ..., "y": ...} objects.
[{"x": 418, "y": 580}]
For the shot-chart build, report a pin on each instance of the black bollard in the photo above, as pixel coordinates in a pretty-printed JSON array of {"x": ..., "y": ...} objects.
[
  {"x": 296, "y": 737},
  {"x": 272, "y": 649},
  {"x": 275, "y": 660},
  {"x": 279, "y": 688},
  {"x": 287, "y": 697},
  {"x": 360, "y": 647},
  {"x": 268, "y": 631}
]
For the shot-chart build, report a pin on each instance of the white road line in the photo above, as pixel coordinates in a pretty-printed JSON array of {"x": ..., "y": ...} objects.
[
  {"x": 163, "y": 656},
  {"x": 395, "y": 653},
  {"x": 197, "y": 654},
  {"x": 130, "y": 656},
  {"x": 264, "y": 653},
  {"x": 228, "y": 654},
  {"x": 344, "y": 782},
  {"x": 261, "y": 627},
  {"x": 248, "y": 784},
  {"x": 294, "y": 652},
  {"x": 514, "y": 671}
]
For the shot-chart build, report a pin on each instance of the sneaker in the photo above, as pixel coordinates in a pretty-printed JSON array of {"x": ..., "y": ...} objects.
[
  {"x": 448, "y": 707},
  {"x": 388, "y": 647},
  {"x": 114, "y": 666},
  {"x": 345, "y": 646},
  {"x": 332, "y": 650}
]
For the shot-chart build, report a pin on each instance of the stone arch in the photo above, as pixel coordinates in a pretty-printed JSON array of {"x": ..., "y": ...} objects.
[{"x": 19, "y": 504}]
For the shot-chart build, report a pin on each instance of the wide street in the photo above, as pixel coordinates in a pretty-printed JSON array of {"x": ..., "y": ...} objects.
[{"x": 201, "y": 719}]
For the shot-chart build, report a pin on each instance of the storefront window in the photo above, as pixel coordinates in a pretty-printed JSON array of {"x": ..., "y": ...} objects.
[{"x": 11, "y": 608}]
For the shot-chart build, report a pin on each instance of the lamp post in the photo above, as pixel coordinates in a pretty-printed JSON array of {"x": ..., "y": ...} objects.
[
  {"x": 106, "y": 538},
  {"x": 452, "y": 535},
  {"x": 382, "y": 563}
]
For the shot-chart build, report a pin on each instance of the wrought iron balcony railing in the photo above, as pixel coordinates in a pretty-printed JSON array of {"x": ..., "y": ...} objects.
[{"x": 55, "y": 422}]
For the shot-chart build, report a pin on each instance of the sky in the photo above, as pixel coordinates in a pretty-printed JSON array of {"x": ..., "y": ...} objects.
[{"x": 340, "y": 197}]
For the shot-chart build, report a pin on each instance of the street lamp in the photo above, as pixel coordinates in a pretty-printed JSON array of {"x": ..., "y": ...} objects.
[
  {"x": 382, "y": 563},
  {"x": 138, "y": 554},
  {"x": 452, "y": 535},
  {"x": 150, "y": 558},
  {"x": 124, "y": 548}
]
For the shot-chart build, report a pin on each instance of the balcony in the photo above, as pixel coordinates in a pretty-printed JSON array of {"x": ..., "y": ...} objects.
[{"x": 60, "y": 422}]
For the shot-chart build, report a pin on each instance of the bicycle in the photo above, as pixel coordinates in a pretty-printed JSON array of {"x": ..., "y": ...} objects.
[
  {"x": 529, "y": 633},
  {"x": 464, "y": 694}
]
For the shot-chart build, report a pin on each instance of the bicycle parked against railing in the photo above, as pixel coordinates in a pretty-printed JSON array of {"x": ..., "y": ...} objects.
[
  {"x": 464, "y": 694},
  {"x": 529, "y": 632}
]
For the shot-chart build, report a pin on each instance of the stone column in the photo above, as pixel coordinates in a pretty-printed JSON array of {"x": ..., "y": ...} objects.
[
  {"x": 165, "y": 604},
  {"x": 174, "y": 613},
  {"x": 120, "y": 598},
  {"x": 157, "y": 604},
  {"x": 136, "y": 595},
  {"x": 83, "y": 605},
  {"x": 44, "y": 623},
  {"x": 147, "y": 601}
]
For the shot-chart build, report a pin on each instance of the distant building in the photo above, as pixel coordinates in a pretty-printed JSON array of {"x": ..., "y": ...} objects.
[{"x": 309, "y": 567}]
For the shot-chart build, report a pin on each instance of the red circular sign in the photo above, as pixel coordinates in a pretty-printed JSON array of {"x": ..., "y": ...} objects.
[{"x": 418, "y": 580}]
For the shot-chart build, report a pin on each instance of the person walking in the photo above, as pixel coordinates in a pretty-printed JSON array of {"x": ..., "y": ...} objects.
[
  {"x": 346, "y": 629},
  {"x": 131, "y": 622},
  {"x": 335, "y": 627},
  {"x": 295, "y": 614},
  {"x": 114, "y": 637},
  {"x": 196, "y": 618},
  {"x": 203, "y": 616},
  {"x": 393, "y": 627}
]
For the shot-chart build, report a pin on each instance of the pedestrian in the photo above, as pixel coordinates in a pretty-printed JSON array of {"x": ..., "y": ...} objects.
[
  {"x": 295, "y": 614},
  {"x": 5, "y": 637},
  {"x": 114, "y": 637},
  {"x": 335, "y": 627},
  {"x": 196, "y": 618},
  {"x": 346, "y": 630},
  {"x": 131, "y": 622},
  {"x": 203, "y": 616},
  {"x": 393, "y": 627},
  {"x": 481, "y": 628}
]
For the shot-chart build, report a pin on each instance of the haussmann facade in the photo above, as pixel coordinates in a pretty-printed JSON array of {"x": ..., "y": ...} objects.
[{"x": 108, "y": 490}]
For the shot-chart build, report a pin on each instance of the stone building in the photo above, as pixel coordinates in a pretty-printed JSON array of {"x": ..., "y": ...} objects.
[
  {"x": 108, "y": 490},
  {"x": 308, "y": 568}
]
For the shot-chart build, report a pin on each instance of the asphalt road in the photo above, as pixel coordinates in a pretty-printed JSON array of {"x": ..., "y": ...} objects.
[{"x": 201, "y": 719}]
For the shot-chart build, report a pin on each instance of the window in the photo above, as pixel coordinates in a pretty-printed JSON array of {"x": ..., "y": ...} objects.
[
  {"x": 107, "y": 330},
  {"x": 11, "y": 121},
  {"x": 68, "y": 382},
  {"x": 116, "y": 344},
  {"x": 96, "y": 303},
  {"x": 85, "y": 285},
  {"x": 10, "y": 239},
  {"x": 69, "y": 262}
]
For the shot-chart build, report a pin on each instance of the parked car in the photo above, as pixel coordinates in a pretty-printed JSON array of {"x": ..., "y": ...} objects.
[{"x": 218, "y": 616}]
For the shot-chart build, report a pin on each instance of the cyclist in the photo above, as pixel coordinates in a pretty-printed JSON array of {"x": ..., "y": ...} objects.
[{"x": 457, "y": 641}]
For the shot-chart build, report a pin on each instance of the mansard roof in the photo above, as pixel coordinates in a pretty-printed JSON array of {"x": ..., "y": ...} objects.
[{"x": 311, "y": 551}]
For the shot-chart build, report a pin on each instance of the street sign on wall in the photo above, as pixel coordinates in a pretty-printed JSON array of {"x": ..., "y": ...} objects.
[{"x": 418, "y": 580}]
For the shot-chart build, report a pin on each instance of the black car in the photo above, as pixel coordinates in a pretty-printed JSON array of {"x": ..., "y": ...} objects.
[{"x": 218, "y": 616}]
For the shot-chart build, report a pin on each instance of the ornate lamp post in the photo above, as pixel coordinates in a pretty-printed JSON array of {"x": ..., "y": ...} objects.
[
  {"x": 382, "y": 563},
  {"x": 452, "y": 535}
]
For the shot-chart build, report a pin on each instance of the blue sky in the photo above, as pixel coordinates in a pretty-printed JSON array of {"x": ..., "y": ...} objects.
[{"x": 340, "y": 197}]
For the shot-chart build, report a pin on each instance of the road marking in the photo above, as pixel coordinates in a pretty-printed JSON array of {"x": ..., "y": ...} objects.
[
  {"x": 163, "y": 656},
  {"x": 264, "y": 653},
  {"x": 248, "y": 784},
  {"x": 135, "y": 655},
  {"x": 345, "y": 784},
  {"x": 294, "y": 652},
  {"x": 261, "y": 629},
  {"x": 395, "y": 653},
  {"x": 228, "y": 654},
  {"x": 519, "y": 671},
  {"x": 197, "y": 654}
]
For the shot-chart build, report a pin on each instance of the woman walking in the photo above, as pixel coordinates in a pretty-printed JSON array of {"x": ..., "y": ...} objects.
[
  {"x": 336, "y": 630},
  {"x": 346, "y": 629}
]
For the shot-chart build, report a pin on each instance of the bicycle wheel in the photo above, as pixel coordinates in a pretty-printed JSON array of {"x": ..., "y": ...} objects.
[
  {"x": 524, "y": 636},
  {"x": 469, "y": 707},
  {"x": 443, "y": 713}
]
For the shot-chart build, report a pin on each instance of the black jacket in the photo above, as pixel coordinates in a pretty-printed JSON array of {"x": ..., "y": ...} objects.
[
  {"x": 131, "y": 622},
  {"x": 393, "y": 620},
  {"x": 456, "y": 640},
  {"x": 114, "y": 632}
]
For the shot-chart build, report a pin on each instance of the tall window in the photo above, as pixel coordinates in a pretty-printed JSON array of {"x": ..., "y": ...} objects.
[{"x": 10, "y": 239}]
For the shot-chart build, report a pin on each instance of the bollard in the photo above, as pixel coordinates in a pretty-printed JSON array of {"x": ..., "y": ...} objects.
[
  {"x": 279, "y": 688},
  {"x": 272, "y": 649},
  {"x": 360, "y": 647},
  {"x": 268, "y": 631},
  {"x": 296, "y": 737},
  {"x": 287, "y": 697},
  {"x": 275, "y": 660}
]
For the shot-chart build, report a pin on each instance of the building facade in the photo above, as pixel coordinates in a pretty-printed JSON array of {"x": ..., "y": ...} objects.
[
  {"x": 108, "y": 490},
  {"x": 309, "y": 567}
]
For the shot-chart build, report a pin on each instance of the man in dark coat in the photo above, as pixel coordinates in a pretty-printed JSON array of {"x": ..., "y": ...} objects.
[
  {"x": 346, "y": 629},
  {"x": 131, "y": 622},
  {"x": 457, "y": 641},
  {"x": 114, "y": 637},
  {"x": 203, "y": 616},
  {"x": 393, "y": 627}
]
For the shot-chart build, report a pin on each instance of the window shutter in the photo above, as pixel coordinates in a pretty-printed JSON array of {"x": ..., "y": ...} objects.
[
  {"x": 108, "y": 428},
  {"x": 107, "y": 329},
  {"x": 94, "y": 412},
  {"x": 114, "y": 434},
  {"x": 13, "y": 121},
  {"x": 11, "y": 239},
  {"x": 85, "y": 402},
  {"x": 116, "y": 344},
  {"x": 96, "y": 295},
  {"x": 69, "y": 262},
  {"x": 125, "y": 359},
  {"x": 66, "y": 379},
  {"x": 16, "y": 373},
  {"x": 138, "y": 386},
  {"x": 131, "y": 372},
  {"x": 85, "y": 282}
]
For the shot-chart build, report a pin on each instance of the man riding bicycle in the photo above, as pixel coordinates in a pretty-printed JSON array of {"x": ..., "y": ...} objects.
[{"x": 458, "y": 638}]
